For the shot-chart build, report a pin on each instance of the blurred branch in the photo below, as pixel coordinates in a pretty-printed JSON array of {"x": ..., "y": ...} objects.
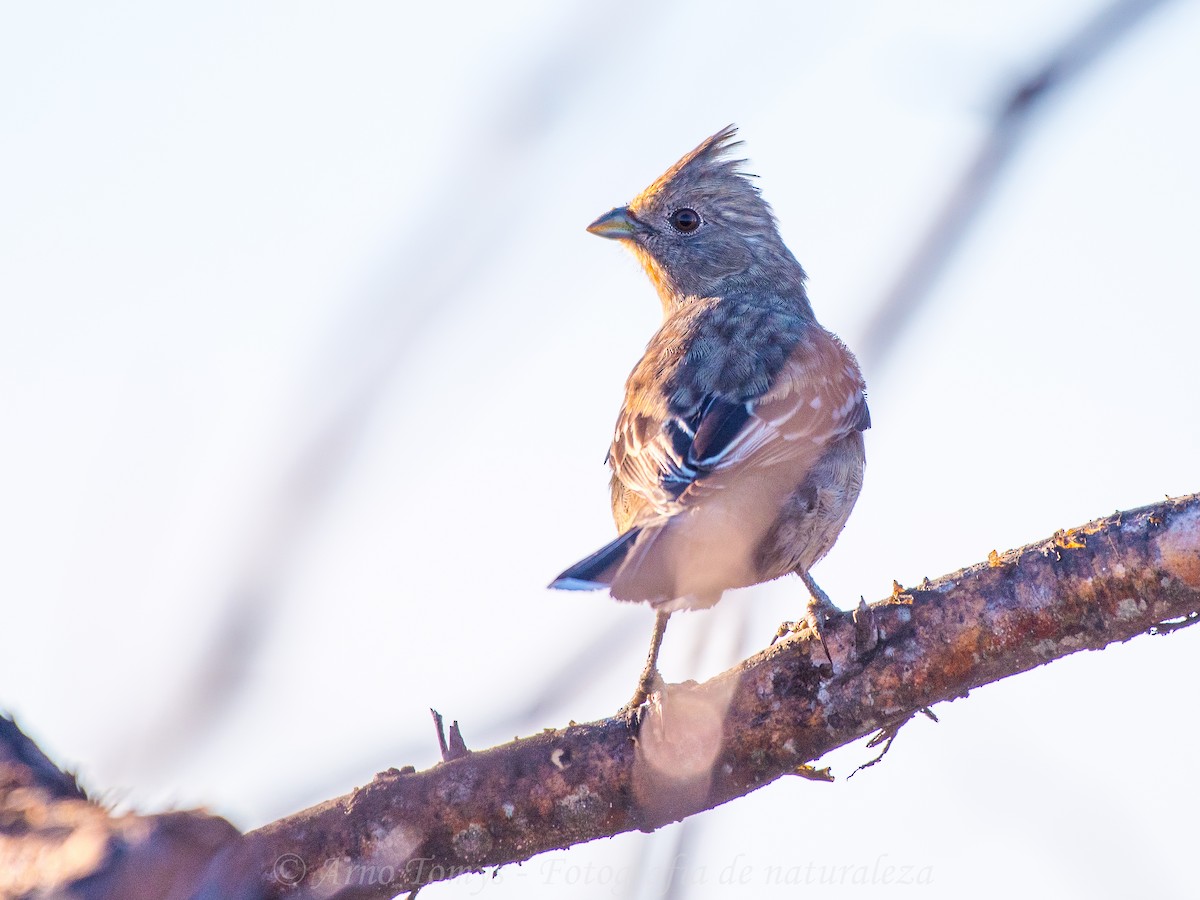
[
  {"x": 22, "y": 761},
  {"x": 698, "y": 745},
  {"x": 55, "y": 842},
  {"x": 976, "y": 187}
]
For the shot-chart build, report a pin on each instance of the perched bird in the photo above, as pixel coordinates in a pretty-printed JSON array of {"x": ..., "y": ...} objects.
[{"x": 738, "y": 453}]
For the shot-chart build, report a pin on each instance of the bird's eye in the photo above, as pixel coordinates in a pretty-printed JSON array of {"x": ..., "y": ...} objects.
[{"x": 685, "y": 220}]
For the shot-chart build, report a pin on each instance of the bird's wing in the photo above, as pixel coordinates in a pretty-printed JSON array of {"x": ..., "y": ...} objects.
[{"x": 817, "y": 397}]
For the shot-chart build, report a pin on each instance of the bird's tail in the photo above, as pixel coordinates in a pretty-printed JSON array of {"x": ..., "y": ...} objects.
[
  {"x": 649, "y": 563},
  {"x": 598, "y": 570}
]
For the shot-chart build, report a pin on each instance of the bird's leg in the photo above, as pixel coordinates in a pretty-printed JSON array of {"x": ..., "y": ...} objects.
[
  {"x": 820, "y": 608},
  {"x": 649, "y": 677}
]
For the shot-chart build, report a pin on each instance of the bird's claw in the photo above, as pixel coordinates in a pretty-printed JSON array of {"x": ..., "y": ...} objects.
[
  {"x": 801, "y": 626},
  {"x": 820, "y": 609},
  {"x": 650, "y": 684},
  {"x": 631, "y": 715},
  {"x": 811, "y": 626}
]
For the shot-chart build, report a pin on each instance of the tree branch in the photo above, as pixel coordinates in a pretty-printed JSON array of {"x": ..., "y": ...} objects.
[
  {"x": 698, "y": 746},
  {"x": 701, "y": 745}
]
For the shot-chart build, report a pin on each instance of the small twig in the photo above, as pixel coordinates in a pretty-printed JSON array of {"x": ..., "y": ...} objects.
[
  {"x": 440, "y": 728},
  {"x": 458, "y": 747},
  {"x": 888, "y": 734},
  {"x": 455, "y": 747},
  {"x": 812, "y": 773}
]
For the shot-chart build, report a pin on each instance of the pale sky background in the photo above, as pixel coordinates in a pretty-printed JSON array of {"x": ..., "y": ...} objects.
[{"x": 224, "y": 225}]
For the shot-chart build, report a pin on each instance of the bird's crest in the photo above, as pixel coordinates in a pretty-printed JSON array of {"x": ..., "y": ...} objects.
[
  {"x": 708, "y": 176},
  {"x": 707, "y": 160}
]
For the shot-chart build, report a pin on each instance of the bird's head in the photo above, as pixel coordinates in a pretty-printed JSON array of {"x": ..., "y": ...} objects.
[{"x": 703, "y": 229}]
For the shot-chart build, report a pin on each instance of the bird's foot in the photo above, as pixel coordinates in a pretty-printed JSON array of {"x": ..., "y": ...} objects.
[
  {"x": 820, "y": 609},
  {"x": 812, "y": 625},
  {"x": 650, "y": 683},
  {"x": 820, "y": 606},
  {"x": 805, "y": 627}
]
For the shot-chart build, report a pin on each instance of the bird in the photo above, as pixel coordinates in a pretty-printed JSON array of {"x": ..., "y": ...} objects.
[{"x": 738, "y": 453}]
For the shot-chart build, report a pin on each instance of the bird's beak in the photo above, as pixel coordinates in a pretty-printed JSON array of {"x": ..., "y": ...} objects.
[{"x": 616, "y": 224}]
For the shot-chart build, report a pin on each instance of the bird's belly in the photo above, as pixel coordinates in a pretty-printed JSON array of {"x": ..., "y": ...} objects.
[
  {"x": 815, "y": 512},
  {"x": 744, "y": 530},
  {"x": 759, "y": 527}
]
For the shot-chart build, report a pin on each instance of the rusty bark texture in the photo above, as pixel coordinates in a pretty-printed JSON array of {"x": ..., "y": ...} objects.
[{"x": 702, "y": 745}]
